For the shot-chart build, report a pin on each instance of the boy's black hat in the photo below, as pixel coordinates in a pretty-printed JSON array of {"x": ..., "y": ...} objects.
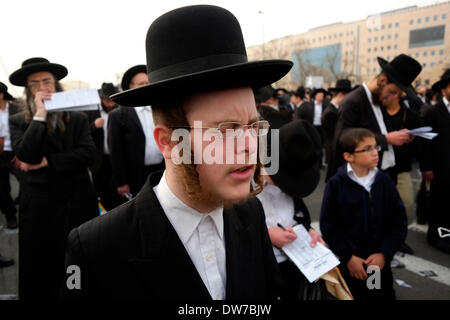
[{"x": 196, "y": 49}]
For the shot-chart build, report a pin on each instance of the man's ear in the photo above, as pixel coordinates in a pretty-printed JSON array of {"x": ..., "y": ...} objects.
[
  {"x": 162, "y": 135},
  {"x": 382, "y": 80},
  {"x": 348, "y": 156}
]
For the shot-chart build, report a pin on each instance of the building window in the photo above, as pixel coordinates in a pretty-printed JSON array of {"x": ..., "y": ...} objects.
[
  {"x": 382, "y": 48},
  {"x": 375, "y": 39},
  {"x": 368, "y": 50},
  {"x": 389, "y": 36},
  {"x": 417, "y": 54},
  {"x": 395, "y": 46},
  {"x": 382, "y": 27},
  {"x": 427, "y": 19},
  {"x": 396, "y": 36},
  {"x": 411, "y": 22},
  {"x": 444, "y": 16},
  {"x": 441, "y": 52},
  {"x": 370, "y": 40},
  {"x": 368, "y": 60},
  {"x": 382, "y": 38},
  {"x": 374, "y": 59},
  {"x": 433, "y": 53},
  {"x": 427, "y": 82},
  {"x": 374, "y": 70},
  {"x": 419, "y": 20},
  {"x": 432, "y": 64},
  {"x": 396, "y": 24},
  {"x": 390, "y": 25},
  {"x": 435, "y": 18},
  {"x": 425, "y": 53},
  {"x": 375, "y": 49},
  {"x": 389, "y": 47},
  {"x": 368, "y": 70},
  {"x": 424, "y": 65}
]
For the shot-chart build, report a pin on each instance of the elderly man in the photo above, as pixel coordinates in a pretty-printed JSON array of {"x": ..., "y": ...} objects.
[
  {"x": 190, "y": 233},
  {"x": 54, "y": 150}
]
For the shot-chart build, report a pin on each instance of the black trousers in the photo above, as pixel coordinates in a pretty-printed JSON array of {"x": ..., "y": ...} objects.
[
  {"x": 6, "y": 167},
  {"x": 104, "y": 189}
]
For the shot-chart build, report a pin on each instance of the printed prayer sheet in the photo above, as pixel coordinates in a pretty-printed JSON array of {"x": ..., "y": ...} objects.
[
  {"x": 312, "y": 262},
  {"x": 74, "y": 100}
]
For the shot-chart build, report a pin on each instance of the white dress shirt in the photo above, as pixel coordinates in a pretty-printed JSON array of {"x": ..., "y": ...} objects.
[
  {"x": 446, "y": 103},
  {"x": 152, "y": 153},
  {"x": 278, "y": 208},
  {"x": 367, "y": 181},
  {"x": 389, "y": 155},
  {"x": 104, "y": 116},
  {"x": 4, "y": 125},
  {"x": 317, "y": 113},
  {"x": 202, "y": 236}
]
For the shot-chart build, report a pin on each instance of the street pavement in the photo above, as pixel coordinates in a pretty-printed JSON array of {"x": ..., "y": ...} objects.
[{"x": 426, "y": 275}]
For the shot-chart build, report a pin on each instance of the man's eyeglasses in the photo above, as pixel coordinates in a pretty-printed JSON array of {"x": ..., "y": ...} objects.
[
  {"x": 368, "y": 149},
  {"x": 231, "y": 130},
  {"x": 45, "y": 83}
]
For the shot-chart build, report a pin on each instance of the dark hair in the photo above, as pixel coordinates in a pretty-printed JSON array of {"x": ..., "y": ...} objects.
[{"x": 351, "y": 137}]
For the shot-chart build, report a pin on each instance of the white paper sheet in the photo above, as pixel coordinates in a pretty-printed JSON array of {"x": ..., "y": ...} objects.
[
  {"x": 420, "y": 130},
  {"x": 312, "y": 262},
  {"x": 74, "y": 100},
  {"x": 423, "y": 132}
]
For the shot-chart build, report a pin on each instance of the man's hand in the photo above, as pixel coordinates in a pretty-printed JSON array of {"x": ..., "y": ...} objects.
[
  {"x": 30, "y": 167},
  {"x": 123, "y": 190},
  {"x": 315, "y": 238},
  {"x": 39, "y": 102},
  {"x": 427, "y": 175},
  {"x": 356, "y": 268},
  {"x": 398, "y": 138},
  {"x": 376, "y": 259},
  {"x": 280, "y": 237},
  {"x": 99, "y": 123}
]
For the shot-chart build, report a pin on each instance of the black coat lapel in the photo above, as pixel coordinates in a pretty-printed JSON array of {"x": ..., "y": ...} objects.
[
  {"x": 135, "y": 118},
  {"x": 164, "y": 267}
]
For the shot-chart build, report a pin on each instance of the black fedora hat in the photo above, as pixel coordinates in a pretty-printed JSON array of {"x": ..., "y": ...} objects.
[
  {"x": 316, "y": 91},
  {"x": 130, "y": 73},
  {"x": 445, "y": 79},
  {"x": 342, "y": 85},
  {"x": 4, "y": 90},
  {"x": 195, "y": 49},
  {"x": 402, "y": 70},
  {"x": 300, "y": 92},
  {"x": 33, "y": 65},
  {"x": 107, "y": 90},
  {"x": 264, "y": 93},
  {"x": 299, "y": 154}
]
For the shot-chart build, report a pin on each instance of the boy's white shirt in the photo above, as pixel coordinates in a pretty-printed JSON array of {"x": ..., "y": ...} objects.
[{"x": 367, "y": 181}]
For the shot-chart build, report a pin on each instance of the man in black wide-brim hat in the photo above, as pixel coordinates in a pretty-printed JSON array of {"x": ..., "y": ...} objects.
[
  {"x": 192, "y": 232},
  {"x": 362, "y": 109},
  {"x": 436, "y": 165}
]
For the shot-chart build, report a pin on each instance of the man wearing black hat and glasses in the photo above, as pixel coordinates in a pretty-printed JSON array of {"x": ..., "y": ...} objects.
[
  {"x": 101, "y": 170},
  {"x": 54, "y": 151},
  {"x": 436, "y": 165},
  {"x": 134, "y": 154},
  {"x": 191, "y": 233},
  {"x": 330, "y": 114},
  {"x": 7, "y": 108},
  {"x": 362, "y": 109}
]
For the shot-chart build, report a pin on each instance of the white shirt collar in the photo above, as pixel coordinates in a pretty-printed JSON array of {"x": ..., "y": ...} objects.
[
  {"x": 143, "y": 108},
  {"x": 446, "y": 103},
  {"x": 367, "y": 181},
  {"x": 334, "y": 105},
  {"x": 183, "y": 218}
]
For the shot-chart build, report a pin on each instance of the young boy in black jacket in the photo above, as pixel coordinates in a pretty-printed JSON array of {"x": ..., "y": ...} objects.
[{"x": 363, "y": 218}]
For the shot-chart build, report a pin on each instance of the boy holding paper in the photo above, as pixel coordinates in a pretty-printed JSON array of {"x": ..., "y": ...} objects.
[{"x": 363, "y": 218}]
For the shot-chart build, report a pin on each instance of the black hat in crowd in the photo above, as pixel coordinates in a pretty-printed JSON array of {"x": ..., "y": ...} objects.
[
  {"x": 316, "y": 91},
  {"x": 130, "y": 73},
  {"x": 402, "y": 70},
  {"x": 107, "y": 89},
  {"x": 445, "y": 79},
  {"x": 342, "y": 85},
  {"x": 263, "y": 94},
  {"x": 299, "y": 155},
  {"x": 300, "y": 92},
  {"x": 195, "y": 49},
  {"x": 33, "y": 65},
  {"x": 4, "y": 90}
]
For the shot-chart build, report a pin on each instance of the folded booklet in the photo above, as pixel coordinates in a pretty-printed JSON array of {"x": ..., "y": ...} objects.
[
  {"x": 74, "y": 100},
  {"x": 312, "y": 262},
  {"x": 423, "y": 132}
]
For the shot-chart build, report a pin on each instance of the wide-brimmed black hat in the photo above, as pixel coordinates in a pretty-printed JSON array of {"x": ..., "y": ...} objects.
[
  {"x": 33, "y": 65},
  {"x": 4, "y": 90},
  {"x": 130, "y": 73},
  {"x": 445, "y": 79},
  {"x": 107, "y": 89},
  {"x": 299, "y": 155},
  {"x": 197, "y": 49},
  {"x": 342, "y": 85},
  {"x": 316, "y": 91},
  {"x": 402, "y": 70},
  {"x": 300, "y": 92}
]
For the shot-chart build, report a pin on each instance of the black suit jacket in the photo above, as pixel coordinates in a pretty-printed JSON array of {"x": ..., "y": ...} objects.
[
  {"x": 126, "y": 141},
  {"x": 354, "y": 112},
  {"x": 133, "y": 252},
  {"x": 329, "y": 120},
  {"x": 436, "y": 155},
  {"x": 306, "y": 111}
]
